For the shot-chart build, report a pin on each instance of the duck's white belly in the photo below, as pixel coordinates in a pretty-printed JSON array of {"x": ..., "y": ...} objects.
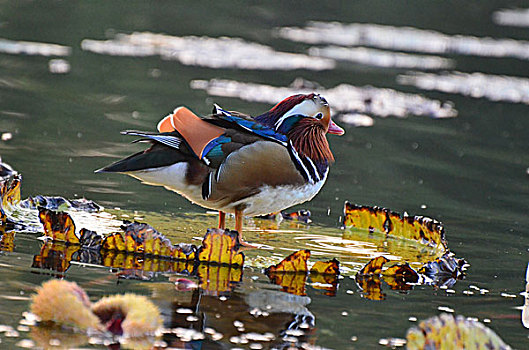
[{"x": 268, "y": 200}]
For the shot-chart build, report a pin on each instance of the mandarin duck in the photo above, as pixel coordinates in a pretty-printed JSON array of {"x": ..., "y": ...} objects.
[{"x": 237, "y": 164}]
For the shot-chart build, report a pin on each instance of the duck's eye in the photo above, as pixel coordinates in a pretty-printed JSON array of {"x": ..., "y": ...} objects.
[{"x": 318, "y": 116}]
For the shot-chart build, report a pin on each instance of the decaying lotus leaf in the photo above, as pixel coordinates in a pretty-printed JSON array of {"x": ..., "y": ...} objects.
[
  {"x": 221, "y": 247},
  {"x": 115, "y": 242},
  {"x": 449, "y": 332},
  {"x": 143, "y": 239},
  {"x": 291, "y": 272},
  {"x": 216, "y": 279},
  {"x": 400, "y": 276},
  {"x": 10, "y": 190},
  {"x": 374, "y": 266},
  {"x": 417, "y": 228},
  {"x": 326, "y": 282},
  {"x": 7, "y": 240},
  {"x": 293, "y": 283},
  {"x": 324, "y": 276},
  {"x": 371, "y": 287},
  {"x": 59, "y": 226},
  {"x": 447, "y": 265},
  {"x": 331, "y": 267},
  {"x": 55, "y": 256},
  {"x": 295, "y": 262}
]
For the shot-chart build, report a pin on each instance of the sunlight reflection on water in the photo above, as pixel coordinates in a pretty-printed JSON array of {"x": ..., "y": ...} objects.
[
  {"x": 404, "y": 38},
  {"x": 220, "y": 52},
  {"x": 477, "y": 85}
]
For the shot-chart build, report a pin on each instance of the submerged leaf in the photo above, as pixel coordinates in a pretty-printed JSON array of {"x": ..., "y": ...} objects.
[
  {"x": 420, "y": 229},
  {"x": 58, "y": 226},
  {"x": 221, "y": 247},
  {"x": 439, "y": 332}
]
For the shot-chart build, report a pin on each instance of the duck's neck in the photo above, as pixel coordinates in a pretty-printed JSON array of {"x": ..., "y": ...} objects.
[{"x": 308, "y": 138}]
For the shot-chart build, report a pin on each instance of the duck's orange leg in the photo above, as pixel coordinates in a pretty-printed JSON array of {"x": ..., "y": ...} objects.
[
  {"x": 238, "y": 228},
  {"x": 222, "y": 220}
]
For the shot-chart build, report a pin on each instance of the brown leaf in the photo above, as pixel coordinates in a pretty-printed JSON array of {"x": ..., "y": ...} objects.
[{"x": 58, "y": 226}]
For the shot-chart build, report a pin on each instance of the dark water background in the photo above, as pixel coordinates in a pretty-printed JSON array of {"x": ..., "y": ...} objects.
[{"x": 470, "y": 172}]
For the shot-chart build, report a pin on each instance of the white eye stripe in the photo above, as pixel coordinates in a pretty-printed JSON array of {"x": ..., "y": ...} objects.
[{"x": 306, "y": 108}]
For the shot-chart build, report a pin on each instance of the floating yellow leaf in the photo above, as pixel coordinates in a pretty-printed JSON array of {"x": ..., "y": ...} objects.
[
  {"x": 295, "y": 262},
  {"x": 59, "y": 226},
  {"x": 449, "y": 332},
  {"x": 221, "y": 247},
  {"x": 291, "y": 272},
  {"x": 374, "y": 266},
  {"x": 217, "y": 279},
  {"x": 420, "y": 229},
  {"x": 400, "y": 276},
  {"x": 115, "y": 242},
  {"x": 331, "y": 267}
]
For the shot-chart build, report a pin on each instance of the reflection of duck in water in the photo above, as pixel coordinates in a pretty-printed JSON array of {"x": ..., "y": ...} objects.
[
  {"x": 65, "y": 303},
  {"x": 270, "y": 318},
  {"x": 235, "y": 164}
]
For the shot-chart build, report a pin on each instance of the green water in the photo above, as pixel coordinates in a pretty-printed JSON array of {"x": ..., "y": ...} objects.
[{"x": 470, "y": 172}]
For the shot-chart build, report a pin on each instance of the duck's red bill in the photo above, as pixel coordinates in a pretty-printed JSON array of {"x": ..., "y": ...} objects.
[{"x": 335, "y": 129}]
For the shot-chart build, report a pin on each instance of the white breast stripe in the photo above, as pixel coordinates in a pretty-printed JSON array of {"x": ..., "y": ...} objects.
[
  {"x": 295, "y": 153},
  {"x": 315, "y": 169}
]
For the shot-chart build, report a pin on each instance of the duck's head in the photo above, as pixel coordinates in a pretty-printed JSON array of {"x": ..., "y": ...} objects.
[
  {"x": 305, "y": 119},
  {"x": 310, "y": 109}
]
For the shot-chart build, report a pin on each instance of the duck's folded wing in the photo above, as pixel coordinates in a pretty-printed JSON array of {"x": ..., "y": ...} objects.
[
  {"x": 166, "y": 149},
  {"x": 244, "y": 122}
]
